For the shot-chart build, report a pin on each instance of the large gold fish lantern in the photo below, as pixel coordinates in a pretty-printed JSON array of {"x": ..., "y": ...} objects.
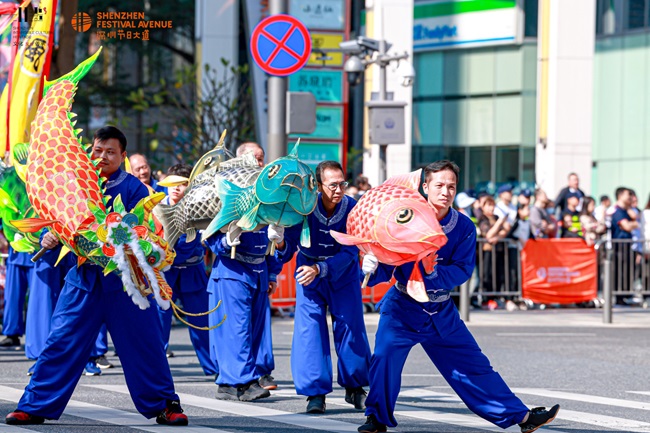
[
  {"x": 397, "y": 225},
  {"x": 64, "y": 188}
]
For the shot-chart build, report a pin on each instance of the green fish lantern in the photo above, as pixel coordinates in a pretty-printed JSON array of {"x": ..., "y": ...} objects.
[
  {"x": 284, "y": 194},
  {"x": 15, "y": 205}
]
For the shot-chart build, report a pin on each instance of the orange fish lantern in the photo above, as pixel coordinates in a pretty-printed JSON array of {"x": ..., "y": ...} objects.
[
  {"x": 63, "y": 186},
  {"x": 397, "y": 225}
]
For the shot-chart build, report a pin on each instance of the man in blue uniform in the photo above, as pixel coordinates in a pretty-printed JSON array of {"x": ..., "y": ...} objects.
[
  {"x": 45, "y": 287},
  {"x": 242, "y": 344},
  {"x": 141, "y": 169},
  {"x": 327, "y": 276},
  {"x": 189, "y": 282},
  {"x": 19, "y": 275},
  {"x": 437, "y": 326},
  {"x": 87, "y": 301}
]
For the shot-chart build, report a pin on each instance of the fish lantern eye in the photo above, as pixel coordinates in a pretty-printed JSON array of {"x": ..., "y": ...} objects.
[
  {"x": 207, "y": 161},
  {"x": 312, "y": 183},
  {"x": 273, "y": 171},
  {"x": 404, "y": 216}
]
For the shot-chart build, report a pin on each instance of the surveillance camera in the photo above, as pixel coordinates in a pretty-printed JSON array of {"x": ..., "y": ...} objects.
[
  {"x": 354, "y": 78},
  {"x": 370, "y": 44},
  {"x": 353, "y": 64},
  {"x": 350, "y": 47},
  {"x": 406, "y": 73}
]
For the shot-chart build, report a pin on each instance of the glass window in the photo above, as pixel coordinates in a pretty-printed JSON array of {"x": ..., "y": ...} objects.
[
  {"x": 609, "y": 14},
  {"x": 423, "y": 155},
  {"x": 635, "y": 14},
  {"x": 479, "y": 172},
  {"x": 531, "y": 12},
  {"x": 427, "y": 122},
  {"x": 507, "y": 164}
]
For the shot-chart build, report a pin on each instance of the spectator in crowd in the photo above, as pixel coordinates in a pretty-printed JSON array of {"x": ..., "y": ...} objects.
[
  {"x": 622, "y": 226},
  {"x": 572, "y": 187},
  {"x": 524, "y": 197},
  {"x": 464, "y": 203},
  {"x": 477, "y": 207},
  {"x": 521, "y": 230},
  {"x": 141, "y": 169},
  {"x": 542, "y": 224},
  {"x": 352, "y": 191},
  {"x": 504, "y": 207},
  {"x": 646, "y": 227},
  {"x": 362, "y": 184},
  {"x": 600, "y": 213},
  {"x": 636, "y": 215},
  {"x": 591, "y": 228},
  {"x": 571, "y": 226},
  {"x": 493, "y": 229}
]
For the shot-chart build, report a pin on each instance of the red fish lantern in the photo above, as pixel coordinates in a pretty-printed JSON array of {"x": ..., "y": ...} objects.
[{"x": 397, "y": 225}]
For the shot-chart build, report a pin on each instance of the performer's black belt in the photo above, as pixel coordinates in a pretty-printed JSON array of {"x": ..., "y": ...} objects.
[
  {"x": 252, "y": 260},
  {"x": 433, "y": 297}
]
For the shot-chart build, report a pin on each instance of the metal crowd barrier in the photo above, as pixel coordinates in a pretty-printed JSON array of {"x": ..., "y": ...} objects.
[{"x": 624, "y": 269}]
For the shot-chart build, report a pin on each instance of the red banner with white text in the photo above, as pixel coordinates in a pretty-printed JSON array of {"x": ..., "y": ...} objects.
[{"x": 559, "y": 271}]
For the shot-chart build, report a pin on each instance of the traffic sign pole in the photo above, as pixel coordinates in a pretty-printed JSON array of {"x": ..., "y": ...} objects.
[{"x": 277, "y": 103}]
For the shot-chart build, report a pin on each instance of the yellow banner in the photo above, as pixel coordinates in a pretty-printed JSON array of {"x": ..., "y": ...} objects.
[{"x": 325, "y": 41}]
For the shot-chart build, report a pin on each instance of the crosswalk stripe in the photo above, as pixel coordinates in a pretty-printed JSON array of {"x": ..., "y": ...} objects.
[
  {"x": 639, "y": 392},
  {"x": 4, "y": 428},
  {"x": 611, "y": 422},
  {"x": 619, "y": 424},
  {"x": 467, "y": 421},
  {"x": 250, "y": 410},
  {"x": 108, "y": 415},
  {"x": 630, "y": 404}
]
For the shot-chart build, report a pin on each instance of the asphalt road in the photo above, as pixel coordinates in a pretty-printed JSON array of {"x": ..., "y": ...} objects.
[{"x": 598, "y": 373}]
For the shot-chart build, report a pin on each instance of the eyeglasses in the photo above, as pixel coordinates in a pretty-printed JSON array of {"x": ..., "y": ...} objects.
[{"x": 335, "y": 186}]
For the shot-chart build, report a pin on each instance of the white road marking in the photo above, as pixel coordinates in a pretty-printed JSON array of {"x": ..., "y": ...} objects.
[
  {"x": 109, "y": 415},
  {"x": 545, "y": 334},
  {"x": 630, "y": 404},
  {"x": 251, "y": 410}
]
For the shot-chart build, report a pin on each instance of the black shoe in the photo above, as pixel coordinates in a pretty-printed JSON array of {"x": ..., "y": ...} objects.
[
  {"x": 268, "y": 382},
  {"x": 372, "y": 426},
  {"x": 18, "y": 417},
  {"x": 10, "y": 342},
  {"x": 169, "y": 353},
  {"x": 538, "y": 417},
  {"x": 172, "y": 415},
  {"x": 356, "y": 397},
  {"x": 316, "y": 404},
  {"x": 103, "y": 363},
  {"x": 227, "y": 392},
  {"x": 253, "y": 391}
]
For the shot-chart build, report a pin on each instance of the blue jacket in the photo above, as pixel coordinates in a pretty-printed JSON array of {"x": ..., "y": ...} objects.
[
  {"x": 336, "y": 261},
  {"x": 90, "y": 275},
  {"x": 456, "y": 260},
  {"x": 252, "y": 262}
]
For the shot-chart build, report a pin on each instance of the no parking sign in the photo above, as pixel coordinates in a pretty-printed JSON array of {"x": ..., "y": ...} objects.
[{"x": 280, "y": 45}]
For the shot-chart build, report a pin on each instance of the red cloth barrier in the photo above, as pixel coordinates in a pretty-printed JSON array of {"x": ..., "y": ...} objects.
[
  {"x": 559, "y": 271},
  {"x": 285, "y": 295}
]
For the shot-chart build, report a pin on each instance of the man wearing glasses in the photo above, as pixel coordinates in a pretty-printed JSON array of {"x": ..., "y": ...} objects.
[{"x": 327, "y": 275}]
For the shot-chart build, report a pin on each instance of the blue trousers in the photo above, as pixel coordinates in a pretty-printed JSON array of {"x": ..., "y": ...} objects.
[
  {"x": 311, "y": 361},
  {"x": 243, "y": 343},
  {"x": 47, "y": 281},
  {"x": 193, "y": 302},
  {"x": 403, "y": 324},
  {"x": 77, "y": 319},
  {"x": 18, "y": 279}
]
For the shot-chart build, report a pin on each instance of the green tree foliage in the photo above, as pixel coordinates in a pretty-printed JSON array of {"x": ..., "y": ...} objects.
[{"x": 201, "y": 104}]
